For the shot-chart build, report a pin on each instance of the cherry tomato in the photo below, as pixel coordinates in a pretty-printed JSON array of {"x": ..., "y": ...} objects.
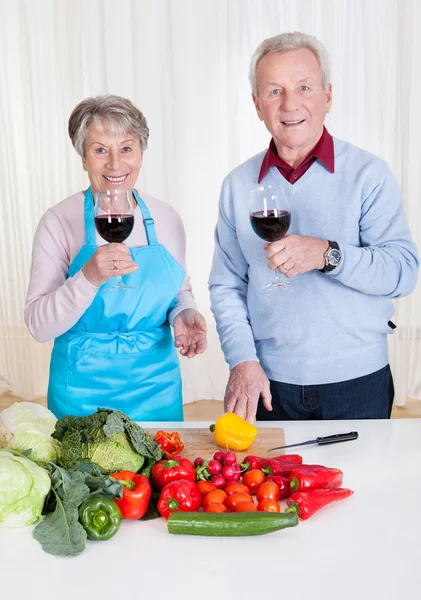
[
  {"x": 269, "y": 505},
  {"x": 235, "y": 499},
  {"x": 205, "y": 487},
  {"x": 245, "y": 507},
  {"x": 268, "y": 489},
  {"x": 236, "y": 488},
  {"x": 214, "y": 497},
  {"x": 253, "y": 479},
  {"x": 216, "y": 508}
]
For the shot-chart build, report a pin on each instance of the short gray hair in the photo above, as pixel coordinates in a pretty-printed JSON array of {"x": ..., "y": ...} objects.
[
  {"x": 286, "y": 42},
  {"x": 114, "y": 113}
]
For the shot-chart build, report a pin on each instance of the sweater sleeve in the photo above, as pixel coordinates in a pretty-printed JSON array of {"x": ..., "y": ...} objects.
[
  {"x": 228, "y": 287},
  {"x": 176, "y": 244},
  {"x": 54, "y": 303},
  {"x": 386, "y": 263}
]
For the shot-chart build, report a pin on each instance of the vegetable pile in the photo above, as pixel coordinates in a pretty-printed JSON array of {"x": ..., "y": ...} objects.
[{"x": 79, "y": 477}]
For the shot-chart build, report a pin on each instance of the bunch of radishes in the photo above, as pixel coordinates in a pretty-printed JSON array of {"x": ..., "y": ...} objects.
[{"x": 222, "y": 470}]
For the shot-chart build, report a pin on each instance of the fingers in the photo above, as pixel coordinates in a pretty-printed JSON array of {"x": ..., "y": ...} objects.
[
  {"x": 267, "y": 397},
  {"x": 200, "y": 322}
]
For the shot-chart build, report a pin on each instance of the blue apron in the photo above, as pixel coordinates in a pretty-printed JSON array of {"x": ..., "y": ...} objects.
[{"x": 121, "y": 354}]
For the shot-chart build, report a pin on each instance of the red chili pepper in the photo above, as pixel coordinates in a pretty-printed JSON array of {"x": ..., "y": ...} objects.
[
  {"x": 282, "y": 483},
  {"x": 170, "y": 443},
  {"x": 253, "y": 462},
  {"x": 172, "y": 470},
  {"x": 136, "y": 494},
  {"x": 307, "y": 503},
  {"x": 179, "y": 496},
  {"x": 289, "y": 458},
  {"x": 275, "y": 467},
  {"x": 315, "y": 478}
]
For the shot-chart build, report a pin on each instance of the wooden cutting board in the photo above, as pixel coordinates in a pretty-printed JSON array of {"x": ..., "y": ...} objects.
[{"x": 200, "y": 442}]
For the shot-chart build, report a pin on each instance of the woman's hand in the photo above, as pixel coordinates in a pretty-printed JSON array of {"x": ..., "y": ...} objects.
[
  {"x": 190, "y": 332},
  {"x": 108, "y": 261}
]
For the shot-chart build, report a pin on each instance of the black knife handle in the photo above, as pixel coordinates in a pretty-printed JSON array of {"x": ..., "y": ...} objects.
[{"x": 339, "y": 437}]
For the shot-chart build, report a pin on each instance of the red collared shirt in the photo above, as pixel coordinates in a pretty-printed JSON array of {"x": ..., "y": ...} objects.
[{"x": 322, "y": 151}]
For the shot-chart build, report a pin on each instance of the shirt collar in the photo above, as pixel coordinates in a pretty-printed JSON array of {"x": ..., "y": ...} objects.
[{"x": 323, "y": 151}]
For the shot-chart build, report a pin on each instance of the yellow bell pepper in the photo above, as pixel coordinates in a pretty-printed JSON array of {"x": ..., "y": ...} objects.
[{"x": 233, "y": 432}]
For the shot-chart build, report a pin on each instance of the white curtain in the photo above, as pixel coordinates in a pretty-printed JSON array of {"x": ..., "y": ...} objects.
[{"x": 185, "y": 64}]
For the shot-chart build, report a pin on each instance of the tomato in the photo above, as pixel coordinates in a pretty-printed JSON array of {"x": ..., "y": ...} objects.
[
  {"x": 214, "y": 497},
  {"x": 205, "y": 487},
  {"x": 253, "y": 479},
  {"x": 216, "y": 508},
  {"x": 246, "y": 507},
  {"x": 236, "y": 488},
  {"x": 235, "y": 499},
  {"x": 269, "y": 505},
  {"x": 269, "y": 490}
]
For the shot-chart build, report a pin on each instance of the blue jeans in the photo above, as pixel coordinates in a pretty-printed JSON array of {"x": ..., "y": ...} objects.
[{"x": 368, "y": 397}]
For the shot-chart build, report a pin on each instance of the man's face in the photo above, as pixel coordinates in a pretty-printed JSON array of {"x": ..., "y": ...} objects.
[{"x": 291, "y": 99}]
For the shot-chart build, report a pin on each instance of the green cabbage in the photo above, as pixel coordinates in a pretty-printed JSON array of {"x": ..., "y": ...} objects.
[
  {"x": 23, "y": 489},
  {"x": 28, "y": 426}
]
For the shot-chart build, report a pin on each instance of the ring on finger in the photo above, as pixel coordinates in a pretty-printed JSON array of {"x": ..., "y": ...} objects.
[{"x": 115, "y": 265}]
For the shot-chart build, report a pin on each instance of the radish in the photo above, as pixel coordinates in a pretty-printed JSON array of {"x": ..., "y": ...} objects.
[
  {"x": 230, "y": 458},
  {"x": 231, "y": 472},
  {"x": 214, "y": 467},
  {"x": 219, "y": 456},
  {"x": 219, "y": 481},
  {"x": 198, "y": 462}
]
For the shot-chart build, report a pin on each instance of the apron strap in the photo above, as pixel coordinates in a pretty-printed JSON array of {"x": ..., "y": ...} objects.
[
  {"x": 90, "y": 231},
  {"x": 147, "y": 220}
]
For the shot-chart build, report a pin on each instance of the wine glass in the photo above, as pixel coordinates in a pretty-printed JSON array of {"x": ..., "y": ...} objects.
[
  {"x": 114, "y": 220},
  {"x": 270, "y": 217}
]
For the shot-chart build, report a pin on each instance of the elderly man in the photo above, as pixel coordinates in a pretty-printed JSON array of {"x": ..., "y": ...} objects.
[{"x": 318, "y": 349}]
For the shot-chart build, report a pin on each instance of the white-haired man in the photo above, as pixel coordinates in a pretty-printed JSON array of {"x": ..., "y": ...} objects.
[{"x": 317, "y": 350}]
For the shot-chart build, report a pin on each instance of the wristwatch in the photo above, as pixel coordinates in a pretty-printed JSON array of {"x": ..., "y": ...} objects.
[{"x": 333, "y": 257}]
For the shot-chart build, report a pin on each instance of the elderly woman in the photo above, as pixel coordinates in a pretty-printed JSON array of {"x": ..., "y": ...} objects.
[{"x": 113, "y": 349}]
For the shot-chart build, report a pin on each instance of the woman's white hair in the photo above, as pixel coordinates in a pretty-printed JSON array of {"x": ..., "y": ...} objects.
[
  {"x": 112, "y": 113},
  {"x": 286, "y": 42}
]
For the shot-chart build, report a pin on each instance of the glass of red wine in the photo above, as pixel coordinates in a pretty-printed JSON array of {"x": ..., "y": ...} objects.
[
  {"x": 114, "y": 220},
  {"x": 270, "y": 218}
]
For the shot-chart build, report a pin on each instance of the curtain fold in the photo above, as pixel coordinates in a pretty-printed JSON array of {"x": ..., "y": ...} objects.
[{"x": 185, "y": 64}]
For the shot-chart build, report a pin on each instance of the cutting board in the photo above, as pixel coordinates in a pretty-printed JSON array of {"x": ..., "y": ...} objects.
[{"x": 200, "y": 442}]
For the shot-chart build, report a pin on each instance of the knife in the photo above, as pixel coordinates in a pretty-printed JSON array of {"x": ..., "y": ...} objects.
[{"x": 329, "y": 439}]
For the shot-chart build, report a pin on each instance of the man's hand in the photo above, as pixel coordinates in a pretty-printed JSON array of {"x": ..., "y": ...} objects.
[
  {"x": 296, "y": 254},
  {"x": 247, "y": 381},
  {"x": 190, "y": 332},
  {"x": 108, "y": 261}
]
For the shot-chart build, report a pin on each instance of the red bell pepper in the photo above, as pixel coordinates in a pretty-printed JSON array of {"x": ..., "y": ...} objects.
[
  {"x": 170, "y": 443},
  {"x": 179, "y": 496},
  {"x": 307, "y": 503},
  {"x": 315, "y": 478},
  {"x": 282, "y": 483},
  {"x": 136, "y": 494},
  {"x": 166, "y": 471}
]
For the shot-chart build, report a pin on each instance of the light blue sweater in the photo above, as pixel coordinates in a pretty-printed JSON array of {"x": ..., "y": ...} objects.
[{"x": 327, "y": 327}]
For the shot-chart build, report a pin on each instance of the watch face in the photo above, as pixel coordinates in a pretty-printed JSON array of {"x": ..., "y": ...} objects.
[{"x": 334, "y": 257}]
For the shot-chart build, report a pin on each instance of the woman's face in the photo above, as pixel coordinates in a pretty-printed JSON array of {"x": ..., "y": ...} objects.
[{"x": 111, "y": 161}]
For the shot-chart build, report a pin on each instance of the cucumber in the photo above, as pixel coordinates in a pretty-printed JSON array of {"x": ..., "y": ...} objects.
[{"x": 229, "y": 524}]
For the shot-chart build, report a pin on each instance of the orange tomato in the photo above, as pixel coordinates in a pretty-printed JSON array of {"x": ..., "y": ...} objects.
[
  {"x": 236, "y": 488},
  {"x": 269, "y": 505},
  {"x": 214, "y": 497},
  {"x": 235, "y": 499},
  {"x": 245, "y": 507},
  {"x": 253, "y": 479},
  {"x": 216, "y": 508},
  {"x": 269, "y": 490},
  {"x": 205, "y": 487}
]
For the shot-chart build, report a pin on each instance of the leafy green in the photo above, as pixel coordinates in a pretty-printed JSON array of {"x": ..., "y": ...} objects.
[
  {"x": 60, "y": 532},
  {"x": 152, "y": 512},
  {"x": 26, "y": 425},
  {"x": 105, "y": 442},
  {"x": 24, "y": 487}
]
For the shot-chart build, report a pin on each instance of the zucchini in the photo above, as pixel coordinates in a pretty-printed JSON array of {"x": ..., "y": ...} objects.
[{"x": 229, "y": 524}]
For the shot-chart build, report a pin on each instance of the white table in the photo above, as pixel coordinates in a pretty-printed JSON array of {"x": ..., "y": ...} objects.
[{"x": 367, "y": 547}]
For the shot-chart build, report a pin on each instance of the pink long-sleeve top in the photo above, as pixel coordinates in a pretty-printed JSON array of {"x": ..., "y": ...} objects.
[{"x": 54, "y": 302}]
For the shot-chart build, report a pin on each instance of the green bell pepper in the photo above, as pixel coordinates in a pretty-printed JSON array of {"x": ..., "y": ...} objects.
[{"x": 100, "y": 517}]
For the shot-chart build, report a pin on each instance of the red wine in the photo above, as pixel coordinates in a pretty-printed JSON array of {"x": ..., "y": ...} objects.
[
  {"x": 271, "y": 228},
  {"x": 114, "y": 228}
]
